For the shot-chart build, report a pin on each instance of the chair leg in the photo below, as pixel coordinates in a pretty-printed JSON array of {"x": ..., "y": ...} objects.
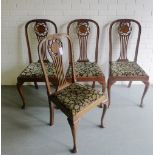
[
  {"x": 19, "y": 88},
  {"x": 36, "y": 85},
  {"x": 145, "y": 90},
  {"x": 51, "y": 108},
  {"x": 103, "y": 114},
  {"x": 129, "y": 85},
  {"x": 93, "y": 85},
  {"x": 103, "y": 84},
  {"x": 110, "y": 83},
  {"x": 103, "y": 87},
  {"x": 73, "y": 126},
  {"x": 109, "y": 95}
]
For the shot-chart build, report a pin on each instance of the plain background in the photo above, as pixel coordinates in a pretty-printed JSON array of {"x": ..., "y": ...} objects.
[{"x": 15, "y": 13}]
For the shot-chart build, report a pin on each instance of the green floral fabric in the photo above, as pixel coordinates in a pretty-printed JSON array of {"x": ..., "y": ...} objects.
[
  {"x": 85, "y": 69},
  {"x": 34, "y": 70},
  {"x": 76, "y": 97},
  {"x": 126, "y": 69}
]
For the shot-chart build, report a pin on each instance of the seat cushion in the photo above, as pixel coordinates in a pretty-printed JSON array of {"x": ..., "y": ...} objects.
[
  {"x": 76, "y": 97},
  {"x": 126, "y": 69},
  {"x": 34, "y": 71},
  {"x": 85, "y": 69}
]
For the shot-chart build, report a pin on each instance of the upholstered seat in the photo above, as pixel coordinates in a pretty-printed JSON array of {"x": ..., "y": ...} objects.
[
  {"x": 34, "y": 71},
  {"x": 85, "y": 69},
  {"x": 76, "y": 97},
  {"x": 126, "y": 69}
]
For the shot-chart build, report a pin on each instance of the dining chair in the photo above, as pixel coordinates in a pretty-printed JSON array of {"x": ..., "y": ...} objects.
[
  {"x": 122, "y": 32},
  {"x": 72, "y": 98},
  {"x": 86, "y": 31},
  {"x": 35, "y": 31}
]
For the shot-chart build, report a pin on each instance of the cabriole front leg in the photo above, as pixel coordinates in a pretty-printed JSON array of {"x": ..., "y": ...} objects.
[
  {"x": 19, "y": 88},
  {"x": 103, "y": 114},
  {"x": 73, "y": 126},
  {"x": 110, "y": 83},
  {"x": 51, "y": 108},
  {"x": 145, "y": 90},
  {"x": 103, "y": 84}
]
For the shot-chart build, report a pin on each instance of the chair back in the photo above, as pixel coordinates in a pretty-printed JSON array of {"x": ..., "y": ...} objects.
[
  {"x": 54, "y": 47},
  {"x": 125, "y": 28},
  {"x": 40, "y": 29},
  {"x": 83, "y": 30}
]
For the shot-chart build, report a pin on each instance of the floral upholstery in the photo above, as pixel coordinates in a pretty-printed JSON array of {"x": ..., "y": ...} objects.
[
  {"x": 76, "y": 97},
  {"x": 85, "y": 69},
  {"x": 34, "y": 70},
  {"x": 125, "y": 69}
]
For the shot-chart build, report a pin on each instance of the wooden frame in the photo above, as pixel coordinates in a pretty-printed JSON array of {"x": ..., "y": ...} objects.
[
  {"x": 83, "y": 31},
  {"x": 124, "y": 30},
  {"x": 54, "y": 43},
  {"x": 41, "y": 30}
]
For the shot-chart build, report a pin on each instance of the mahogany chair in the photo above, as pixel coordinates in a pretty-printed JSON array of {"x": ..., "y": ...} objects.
[
  {"x": 73, "y": 99},
  {"x": 124, "y": 69},
  {"x": 85, "y": 69},
  {"x": 37, "y": 30}
]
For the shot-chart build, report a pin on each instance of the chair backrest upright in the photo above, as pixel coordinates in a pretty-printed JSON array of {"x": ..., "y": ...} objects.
[
  {"x": 83, "y": 31},
  {"x": 54, "y": 46},
  {"x": 41, "y": 28},
  {"x": 124, "y": 28}
]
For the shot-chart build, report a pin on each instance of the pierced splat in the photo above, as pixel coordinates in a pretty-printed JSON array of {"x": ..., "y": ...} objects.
[
  {"x": 124, "y": 31},
  {"x": 41, "y": 31},
  {"x": 55, "y": 50},
  {"x": 122, "y": 71},
  {"x": 83, "y": 30}
]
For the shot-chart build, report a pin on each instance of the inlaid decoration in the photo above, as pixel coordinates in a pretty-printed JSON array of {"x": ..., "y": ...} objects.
[
  {"x": 124, "y": 28},
  {"x": 83, "y": 29},
  {"x": 41, "y": 29}
]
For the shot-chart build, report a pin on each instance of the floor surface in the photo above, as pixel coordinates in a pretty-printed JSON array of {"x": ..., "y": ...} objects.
[{"x": 26, "y": 132}]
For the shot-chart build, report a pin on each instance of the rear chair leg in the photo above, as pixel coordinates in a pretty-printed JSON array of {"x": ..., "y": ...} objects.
[
  {"x": 73, "y": 126},
  {"x": 36, "y": 85},
  {"x": 145, "y": 90},
  {"x": 129, "y": 85},
  {"x": 19, "y": 88},
  {"x": 103, "y": 114},
  {"x": 103, "y": 87},
  {"x": 93, "y": 85}
]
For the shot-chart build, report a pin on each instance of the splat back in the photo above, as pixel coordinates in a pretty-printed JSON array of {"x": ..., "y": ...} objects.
[
  {"x": 83, "y": 30},
  {"x": 54, "y": 46},
  {"x": 41, "y": 28},
  {"x": 124, "y": 31}
]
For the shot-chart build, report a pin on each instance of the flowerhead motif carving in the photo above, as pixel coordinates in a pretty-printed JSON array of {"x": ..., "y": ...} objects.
[
  {"x": 83, "y": 29},
  {"x": 124, "y": 28},
  {"x": 41, "y": 29}
]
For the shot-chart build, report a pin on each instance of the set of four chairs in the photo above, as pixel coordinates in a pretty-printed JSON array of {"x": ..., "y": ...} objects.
[{"x": 75, "y": 99}]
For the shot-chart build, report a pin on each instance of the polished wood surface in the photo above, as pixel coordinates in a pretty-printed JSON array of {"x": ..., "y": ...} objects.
[
  {"x": 123, "y": 28},
  {"x": 54, "y": 44},
  {"x": 40, "y": 28},
  {"x": 83, "y": 30}
]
